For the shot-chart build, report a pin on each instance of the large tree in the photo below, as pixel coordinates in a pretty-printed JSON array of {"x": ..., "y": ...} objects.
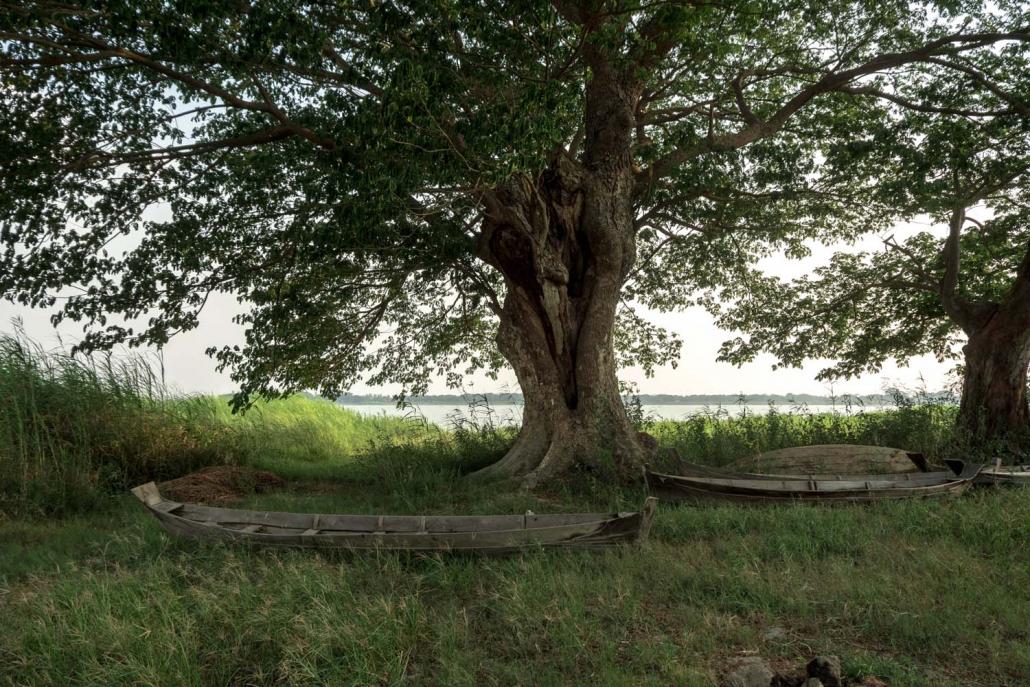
[
  {"x": 969, "y": 172},
  {"x": 447, "y": 180}
]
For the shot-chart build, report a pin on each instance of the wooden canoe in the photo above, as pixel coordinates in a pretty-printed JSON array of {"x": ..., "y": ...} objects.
[
  {"x": 704, "y": 484},
  {"x": 694, "y": 470},
  {"x": 489, "y": 533},
  {"x": 1005, "y": 474}
]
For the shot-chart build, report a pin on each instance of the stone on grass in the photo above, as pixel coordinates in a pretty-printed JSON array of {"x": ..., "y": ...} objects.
[{"x": 749, "y": 672}]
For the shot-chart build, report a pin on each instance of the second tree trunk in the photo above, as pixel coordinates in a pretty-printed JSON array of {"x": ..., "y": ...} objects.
[{"x": 994, "y": 399}]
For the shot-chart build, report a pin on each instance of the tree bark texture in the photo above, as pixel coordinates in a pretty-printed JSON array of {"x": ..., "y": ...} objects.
[{"x": 994, "y": 391}]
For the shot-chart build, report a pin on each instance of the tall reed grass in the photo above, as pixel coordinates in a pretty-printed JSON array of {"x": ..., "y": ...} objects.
[{"x": 73, "y": 427}]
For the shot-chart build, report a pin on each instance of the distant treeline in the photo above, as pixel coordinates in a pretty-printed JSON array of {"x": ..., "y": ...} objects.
[{"x": 653, "y": 399}]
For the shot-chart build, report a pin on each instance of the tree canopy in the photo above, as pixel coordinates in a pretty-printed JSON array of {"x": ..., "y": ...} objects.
[
  {"x": 923, "y": 294},
  {"x": 325, "y": 161},
  {"x": 400, "y": 188}
]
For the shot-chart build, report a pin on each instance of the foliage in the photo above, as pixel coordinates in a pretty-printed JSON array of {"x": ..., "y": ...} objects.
[
  {"x": 923, "y": 294},
  {"x": 850, "y": 311},
  {"x": 328, "y": 163}
]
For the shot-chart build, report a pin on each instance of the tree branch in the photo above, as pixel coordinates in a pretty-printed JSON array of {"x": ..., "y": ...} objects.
[
  {"x": 77, "y": 41},
  {"x": 830, "y": 81},
  {"x": 922, "y": 107},
  {"x": 1017, "y": 104},
  {"x": 950, "y": 253},
  {"x": 173, "y": 152}
]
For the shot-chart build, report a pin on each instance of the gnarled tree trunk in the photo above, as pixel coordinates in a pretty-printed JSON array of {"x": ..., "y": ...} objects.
[{"x": 564, "y": 243}]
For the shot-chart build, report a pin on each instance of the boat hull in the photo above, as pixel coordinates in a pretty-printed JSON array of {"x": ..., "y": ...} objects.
[
  {"x": 693, "y": 470},
  {"x": 1018, "y": 475},
  {"x": 708, "y": 484},
  {"x": 492, "y": 533}
]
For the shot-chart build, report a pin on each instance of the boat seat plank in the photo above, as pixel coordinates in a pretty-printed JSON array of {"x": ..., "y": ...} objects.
[{"x": 167, "y": 506}]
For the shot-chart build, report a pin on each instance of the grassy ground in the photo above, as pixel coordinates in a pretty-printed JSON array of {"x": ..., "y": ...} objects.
[
  {"x": 929, "y": 594},
  {"x": 918, "y": 593}
]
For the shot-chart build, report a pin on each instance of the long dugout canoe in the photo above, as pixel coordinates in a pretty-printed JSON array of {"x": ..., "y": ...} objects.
[
  {"x": 420, "y": 533},
  {"x": 708, "y": 484}
]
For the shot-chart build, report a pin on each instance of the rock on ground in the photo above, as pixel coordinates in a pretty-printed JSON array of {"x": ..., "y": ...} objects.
[
  {"x": 826, "y": 669},
  {"x": 749, "y": 672}
]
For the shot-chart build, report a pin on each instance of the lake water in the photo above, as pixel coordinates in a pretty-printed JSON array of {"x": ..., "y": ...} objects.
[{"x": 449, "y": 415}]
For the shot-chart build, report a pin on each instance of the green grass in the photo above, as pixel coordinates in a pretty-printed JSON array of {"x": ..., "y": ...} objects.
[
  {"x": 303, "y": 438},
  {"x": 930, "y": 594},
  {"x": 924, "y": 594},
  {"x": 717, "y": 437}
]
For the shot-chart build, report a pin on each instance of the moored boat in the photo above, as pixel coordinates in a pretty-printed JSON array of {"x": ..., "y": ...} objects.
[
  {"x": 1005, "y": 474},
  {"x": 703, "y": 483},
  {"x": 481, "y": 533},
  {"x": 694, "y": 470}
]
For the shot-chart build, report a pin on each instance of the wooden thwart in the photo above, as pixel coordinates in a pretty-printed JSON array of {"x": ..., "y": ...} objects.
[{"x": 485, "y": 533}]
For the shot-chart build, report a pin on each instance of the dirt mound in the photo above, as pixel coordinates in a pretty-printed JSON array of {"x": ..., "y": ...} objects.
[{"x": 219, "y": 483}]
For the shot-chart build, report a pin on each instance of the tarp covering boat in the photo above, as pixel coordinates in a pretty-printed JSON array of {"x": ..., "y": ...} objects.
[
  {"x": 485, "y": 533},
  {"x": 837, "y": 459}
]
